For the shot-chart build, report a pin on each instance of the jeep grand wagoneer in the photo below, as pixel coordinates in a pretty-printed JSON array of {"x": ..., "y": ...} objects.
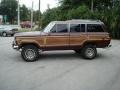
[{"x": 82, "y": 36}]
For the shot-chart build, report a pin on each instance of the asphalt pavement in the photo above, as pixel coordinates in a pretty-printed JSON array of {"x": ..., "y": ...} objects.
[{"x": 59, "y": 70}]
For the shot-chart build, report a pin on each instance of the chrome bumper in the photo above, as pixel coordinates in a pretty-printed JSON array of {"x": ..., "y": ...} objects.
[
  {"x": 14, "y": 46},
  {"x": 108, "y": 46}
]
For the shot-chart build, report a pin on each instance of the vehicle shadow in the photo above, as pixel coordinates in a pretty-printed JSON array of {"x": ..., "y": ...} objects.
[
  {"x": 101, "y": 56},
  {"x": 47, "y": 56},
  {"x": 66, "y": 56}
]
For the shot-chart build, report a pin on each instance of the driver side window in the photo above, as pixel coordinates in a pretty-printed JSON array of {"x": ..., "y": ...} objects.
[
  {"x": 59, "y": 28},
  {"x": 53, "y": 30}
]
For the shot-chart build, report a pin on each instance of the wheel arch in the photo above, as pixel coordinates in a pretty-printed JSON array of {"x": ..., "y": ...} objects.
[
  {"x": 26, "y": 44},
  {"x": 89, "y": 43}
]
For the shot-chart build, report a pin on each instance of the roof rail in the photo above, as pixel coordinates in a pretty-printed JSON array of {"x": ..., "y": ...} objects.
[{"x": 83, "y": 20}]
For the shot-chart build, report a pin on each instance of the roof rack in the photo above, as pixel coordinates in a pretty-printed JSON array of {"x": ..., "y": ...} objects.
[{"x": 85, "y": 20}]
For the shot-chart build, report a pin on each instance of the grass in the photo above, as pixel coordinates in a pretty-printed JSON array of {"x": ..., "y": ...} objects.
[
  {"x": 25, "y": 30},
  {"x": 35, "y": 28}
]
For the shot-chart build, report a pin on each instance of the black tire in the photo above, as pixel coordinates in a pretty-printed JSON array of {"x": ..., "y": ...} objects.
[
  {"x": 89, "y": 52},
  {"x": 4, "y": 34},
  {"x": 12, "y": 35},
  {"x": 78, "y": 51},
  {"x": 30, "y": 53}
]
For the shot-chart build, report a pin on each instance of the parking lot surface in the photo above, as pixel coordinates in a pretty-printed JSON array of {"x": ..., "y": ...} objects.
[{"x": 59, "y": 70}]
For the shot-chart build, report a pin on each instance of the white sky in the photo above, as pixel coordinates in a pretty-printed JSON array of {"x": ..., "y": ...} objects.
[{"x": 44, "y": 4}]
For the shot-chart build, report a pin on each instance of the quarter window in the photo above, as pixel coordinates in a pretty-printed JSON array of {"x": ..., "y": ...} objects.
[{"x": 94, "y": 28}]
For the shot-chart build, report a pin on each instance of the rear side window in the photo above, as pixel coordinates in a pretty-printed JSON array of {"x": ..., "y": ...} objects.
[
  {"x": 62, "y": 28},
  {"x": 94, "y": 28},
  {"x": 77, "y": 28}
]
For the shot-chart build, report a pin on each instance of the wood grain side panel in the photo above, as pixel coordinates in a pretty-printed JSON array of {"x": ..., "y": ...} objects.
[
  {"x": 34, "y": 40},
  {"x": 98, "y": 36},
  {"x": 77, "y": 39},
  {"x": 99, "y": 39},
  {"x": 57, "y": 41}
]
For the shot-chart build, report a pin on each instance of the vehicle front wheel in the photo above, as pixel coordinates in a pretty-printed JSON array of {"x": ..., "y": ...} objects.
[
  {"x": 4, "y": 34},
  {"x": 30, "y": 53},
  {"x": 89, "y": 52}
]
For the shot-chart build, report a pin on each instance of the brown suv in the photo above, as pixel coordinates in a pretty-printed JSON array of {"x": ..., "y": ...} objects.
[{"x": 82, "y": 36}]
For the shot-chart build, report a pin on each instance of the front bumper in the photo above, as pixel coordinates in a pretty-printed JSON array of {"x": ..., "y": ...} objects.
[{"x": 14, "y": 46}]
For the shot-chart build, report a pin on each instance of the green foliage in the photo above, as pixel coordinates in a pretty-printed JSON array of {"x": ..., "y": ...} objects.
[
  {"x": 36, "y": 16},
  {"x": 9, "y": 8},
  {"x": 81, "y": 12},
  {"x": 107, "y": 11},
  {"x": 52, "y": 15},
  {"x": 24, "y": 13}
]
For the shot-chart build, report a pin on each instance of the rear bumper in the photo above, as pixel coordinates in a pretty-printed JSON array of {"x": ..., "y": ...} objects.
[
  {"x": 108, "y": 46},
  {"x": 103, "y": 44}
]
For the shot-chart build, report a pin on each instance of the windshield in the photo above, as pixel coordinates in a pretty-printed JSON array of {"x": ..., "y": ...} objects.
[{"x": 48, "y": 27}]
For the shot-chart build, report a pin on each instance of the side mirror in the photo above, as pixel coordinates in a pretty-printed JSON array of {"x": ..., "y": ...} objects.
[{"x": 49, "y": 34}]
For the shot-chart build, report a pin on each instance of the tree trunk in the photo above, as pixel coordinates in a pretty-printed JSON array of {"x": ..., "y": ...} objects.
[{"x": 92, "y": 5}]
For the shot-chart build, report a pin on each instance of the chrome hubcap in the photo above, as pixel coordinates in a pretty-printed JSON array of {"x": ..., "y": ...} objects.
[
  {"x": 30, "y": 54},
  {"x": 90, "y": 52}
]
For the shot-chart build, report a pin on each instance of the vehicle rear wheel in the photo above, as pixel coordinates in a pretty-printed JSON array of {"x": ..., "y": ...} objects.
[
  {"x": 89, "y": 52},
  {"x": 30, "y": 53},
  {"x": 4, "y": 34}
]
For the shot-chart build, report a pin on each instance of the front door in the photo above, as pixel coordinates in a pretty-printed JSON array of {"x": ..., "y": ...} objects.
[{"x": 58, "y": 38}]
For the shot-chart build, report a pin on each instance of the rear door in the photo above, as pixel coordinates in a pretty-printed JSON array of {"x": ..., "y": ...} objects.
[{"x": 77, "y": 35}]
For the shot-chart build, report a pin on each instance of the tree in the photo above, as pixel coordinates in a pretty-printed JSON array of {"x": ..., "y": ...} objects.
[
  {"x": 24, "y": 13},
  {"x": 107, "y": 11},
  {"x": 97, "y": 4},
  {"x": 36, "y": 16},
  {"x": 50, "y": 15},
  {"x": 9, "y": 8}
]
